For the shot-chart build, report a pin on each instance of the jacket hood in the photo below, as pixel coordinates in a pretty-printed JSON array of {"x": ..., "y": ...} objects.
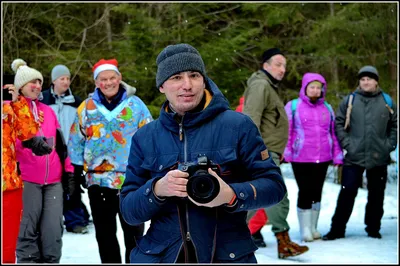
[
  {"x": 308, "y": 78},
  {"x": 217, "y": 105},
  {"x": 260, "y": 75}
]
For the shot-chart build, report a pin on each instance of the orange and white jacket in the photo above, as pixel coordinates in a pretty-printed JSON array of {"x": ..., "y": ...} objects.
[{"x": 18, "y": 123}]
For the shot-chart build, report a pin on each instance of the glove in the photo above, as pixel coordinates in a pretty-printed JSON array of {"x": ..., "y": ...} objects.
[
  {"x": 80, "y": 177},
  {"x": 69, "y": 184},
  {"x": 38, "y": 145}
]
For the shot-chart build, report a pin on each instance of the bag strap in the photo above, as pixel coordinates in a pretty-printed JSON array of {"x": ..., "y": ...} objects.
[
  {"x": 389, "y": 102},
  {"x": 294, "y": 106},
  {"x": 350, "y": 101}
]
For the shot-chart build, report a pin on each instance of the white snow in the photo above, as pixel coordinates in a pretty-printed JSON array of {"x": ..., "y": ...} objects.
[{"x": 356, "y": 247}]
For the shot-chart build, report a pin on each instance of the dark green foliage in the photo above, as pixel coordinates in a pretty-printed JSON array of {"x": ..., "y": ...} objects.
[{"x": 332, "y": 39}]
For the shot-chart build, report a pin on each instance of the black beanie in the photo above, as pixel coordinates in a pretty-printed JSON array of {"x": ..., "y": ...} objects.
[
  {"x": 368, "y": 71},
  {"x": 270, "y": 53}
]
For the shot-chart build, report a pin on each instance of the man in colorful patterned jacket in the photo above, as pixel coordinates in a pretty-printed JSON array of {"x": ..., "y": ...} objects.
[{"x": 99, "y": 142}]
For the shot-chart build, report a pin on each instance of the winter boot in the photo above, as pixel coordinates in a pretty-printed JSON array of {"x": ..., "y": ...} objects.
[
  {"x": 258, "y": 239},
  {"x": 332, "y": 235},
  {"x": 304, "y": 216},
  {"x": 314, "y": 220},
  {"x": 287, "y": 248}
]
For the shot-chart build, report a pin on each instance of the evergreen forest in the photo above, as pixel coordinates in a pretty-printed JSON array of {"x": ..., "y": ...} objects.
[{"x": 334, "y": 39}]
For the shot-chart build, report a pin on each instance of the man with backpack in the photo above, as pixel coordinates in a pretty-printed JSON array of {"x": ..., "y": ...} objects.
[{"x": 366, "y": 126}]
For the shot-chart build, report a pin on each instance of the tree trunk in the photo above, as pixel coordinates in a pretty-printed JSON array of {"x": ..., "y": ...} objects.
[
  {"x": 335, "y": 74},
  {"x": 108, "y": 28}
]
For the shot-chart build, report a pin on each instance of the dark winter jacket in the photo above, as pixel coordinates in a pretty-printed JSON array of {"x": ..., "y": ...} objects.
[
  {"x": 229, "y": 139},
  {"x": 263, "y": 104},
  {"x": 372, "y": 134}
]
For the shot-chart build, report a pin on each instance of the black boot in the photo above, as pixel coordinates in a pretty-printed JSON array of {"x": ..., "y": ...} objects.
[
  {"x": 373, "y": 234},
  {"x": 258, "y": 239},
  {"x": 332, "y": 235}
]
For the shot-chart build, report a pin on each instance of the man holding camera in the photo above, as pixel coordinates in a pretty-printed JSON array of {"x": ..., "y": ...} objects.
[{"x": 196, "y": 171}]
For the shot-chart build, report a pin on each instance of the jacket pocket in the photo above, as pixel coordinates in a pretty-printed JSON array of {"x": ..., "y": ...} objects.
[
  {"x": 225, "y": 158},
  {"x": 160, "y": 165},
  {"x": 149, "y": 251},
  {"x": 238, "y": 250}
]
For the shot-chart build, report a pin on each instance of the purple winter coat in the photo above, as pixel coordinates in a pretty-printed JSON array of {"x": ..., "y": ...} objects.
[{"x": 312, "y": 137}]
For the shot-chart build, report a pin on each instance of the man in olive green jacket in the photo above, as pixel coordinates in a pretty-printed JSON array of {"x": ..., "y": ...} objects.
[
  {"x": 264, "y": 106},
  {"x": 366, "y": 126}
]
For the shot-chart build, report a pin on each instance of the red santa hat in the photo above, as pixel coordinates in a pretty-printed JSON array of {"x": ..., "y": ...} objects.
[{"x": 111, "y": 64}]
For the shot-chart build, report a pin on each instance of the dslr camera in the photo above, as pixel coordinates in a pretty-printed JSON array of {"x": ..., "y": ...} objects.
[{"x": 201, "y": 187}]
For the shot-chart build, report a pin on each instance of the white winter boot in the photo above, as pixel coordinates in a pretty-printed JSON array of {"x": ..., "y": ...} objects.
[
  {"x": 316, "y": 207},
  {"x": 304, "y": 216}
]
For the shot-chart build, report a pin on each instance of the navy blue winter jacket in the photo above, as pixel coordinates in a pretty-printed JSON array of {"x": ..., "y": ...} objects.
[{"x": 229, "y": 139}]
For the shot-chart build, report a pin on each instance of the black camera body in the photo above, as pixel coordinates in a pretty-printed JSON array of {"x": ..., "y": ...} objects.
[{"x": 201, "y": 187}]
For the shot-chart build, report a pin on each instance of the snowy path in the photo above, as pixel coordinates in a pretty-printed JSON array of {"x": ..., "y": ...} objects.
[{"x": 355, "y": 248}]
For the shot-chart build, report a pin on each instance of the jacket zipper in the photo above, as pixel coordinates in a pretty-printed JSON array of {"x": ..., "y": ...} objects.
[
  {"x": 47, "y": 161},
  {"x": 215, "y": 237},
  {"x": 188, "y": 237}
]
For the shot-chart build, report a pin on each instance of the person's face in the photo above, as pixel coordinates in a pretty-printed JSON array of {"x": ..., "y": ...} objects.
[
  {"x": 184, "y": 91},
  {"x": 276, "y": 66},
  {"x": 32, "y": 89},
  {"x": 108, "y": 81},
  {"x": 368, "y": 84},
  {"x": 61, "y": 84},
  {"x": 314, "y": 90}
]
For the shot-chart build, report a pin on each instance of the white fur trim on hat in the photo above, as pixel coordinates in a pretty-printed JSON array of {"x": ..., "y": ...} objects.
[{"x": 104, "y": 67}]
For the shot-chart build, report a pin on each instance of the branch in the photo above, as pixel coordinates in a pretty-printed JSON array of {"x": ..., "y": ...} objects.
[{"x": 43, "y": 40}]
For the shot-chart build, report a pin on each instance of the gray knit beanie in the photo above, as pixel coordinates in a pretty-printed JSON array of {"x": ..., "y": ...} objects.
[
  {"x": 178, "y": 58},
  {"x": 58, "y": 71},
  {"x": 368, "y": 71}
]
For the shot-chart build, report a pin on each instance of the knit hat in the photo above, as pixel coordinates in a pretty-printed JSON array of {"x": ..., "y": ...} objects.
[
  {"x": 178, "y": 58},
  {"x": 23, "y": 73},
  {"x": 59, "y": 71},
  {"x": 270, "y": 53},
  {"x": 102, "y": 65},
  {"x": 368, "y": 71}
]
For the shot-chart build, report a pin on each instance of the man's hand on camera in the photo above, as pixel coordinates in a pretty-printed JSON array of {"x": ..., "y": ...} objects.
[
  {"x": 225, "y": 195},
  {"x": 172, "y": 184}
]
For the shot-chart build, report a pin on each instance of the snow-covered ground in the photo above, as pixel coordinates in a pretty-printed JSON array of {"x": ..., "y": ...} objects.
[{"x": 355, "y": 248}]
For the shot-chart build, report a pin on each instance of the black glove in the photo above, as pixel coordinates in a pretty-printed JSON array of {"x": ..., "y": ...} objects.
[
  {"x": 69, "y": 183},
  {"x": 80, "y": 177},
  {"x": 38, "y": 145}
]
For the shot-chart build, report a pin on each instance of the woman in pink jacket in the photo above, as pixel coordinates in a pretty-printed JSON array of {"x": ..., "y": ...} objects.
[
  {"x": 311, "y": 147},
  {"x": 39, "y": 239}
]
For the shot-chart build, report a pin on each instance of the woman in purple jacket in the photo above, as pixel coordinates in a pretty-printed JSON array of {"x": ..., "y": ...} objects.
[{"x": 311, "y": 147}]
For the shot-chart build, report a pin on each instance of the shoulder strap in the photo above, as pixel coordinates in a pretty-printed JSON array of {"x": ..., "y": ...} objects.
[
  {"x": 388, "y": 99},
  {"x": 350, "y": 101},
  {"x": 330, "y": 109},
  {"x": 294, "y": 106},
  {"x": 389, "y": 102}
]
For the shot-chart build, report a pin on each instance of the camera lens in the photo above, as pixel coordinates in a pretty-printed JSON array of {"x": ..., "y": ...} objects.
[{"x": 202, "y": 187}]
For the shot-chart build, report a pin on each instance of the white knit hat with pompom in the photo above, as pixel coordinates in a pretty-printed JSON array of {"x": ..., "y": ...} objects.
[{"x": 23, "y": 73}]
